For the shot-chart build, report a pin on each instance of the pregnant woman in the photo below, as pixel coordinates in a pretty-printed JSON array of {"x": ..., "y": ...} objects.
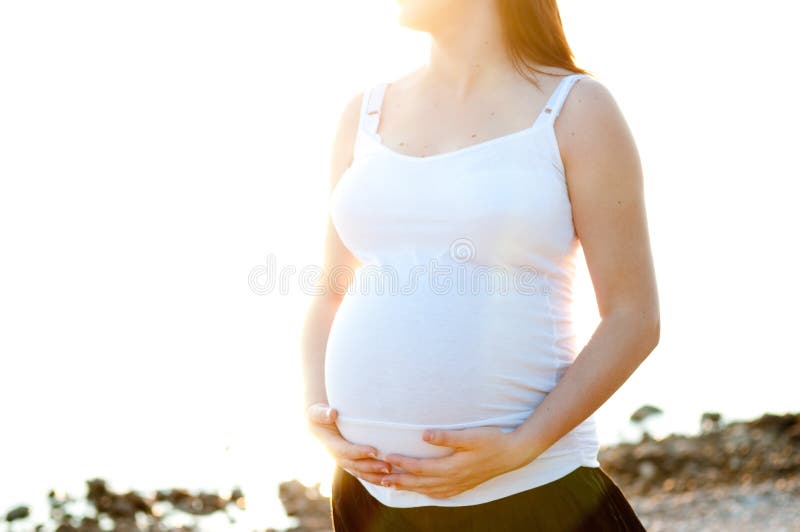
[{"x": 442, "y": 370}]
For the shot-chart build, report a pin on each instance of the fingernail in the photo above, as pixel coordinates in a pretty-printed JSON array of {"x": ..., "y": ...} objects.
[
  {"x": 386, "y": 483},
  {"x": 385, "y": 470},
  {"x": 373, "y": 454}
]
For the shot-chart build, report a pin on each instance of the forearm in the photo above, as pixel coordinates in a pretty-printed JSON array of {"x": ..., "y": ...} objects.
[{"x": 618, "y": 346}]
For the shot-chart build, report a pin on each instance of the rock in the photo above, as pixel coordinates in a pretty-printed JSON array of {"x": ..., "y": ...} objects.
[
  {"x": 647, "y": 470},
  {"x": 20, "y": 512},
  {"x": 710, "y": 422}
]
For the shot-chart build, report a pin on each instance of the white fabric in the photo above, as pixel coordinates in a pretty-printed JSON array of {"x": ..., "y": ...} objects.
[{"x": 426, "y": 336}]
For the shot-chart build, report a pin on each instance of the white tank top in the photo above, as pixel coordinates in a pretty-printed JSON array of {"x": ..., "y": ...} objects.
[{"x": 460, "y": 314}]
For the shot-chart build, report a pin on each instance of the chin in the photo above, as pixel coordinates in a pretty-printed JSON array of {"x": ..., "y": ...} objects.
[{"x": 426, "y": 15}]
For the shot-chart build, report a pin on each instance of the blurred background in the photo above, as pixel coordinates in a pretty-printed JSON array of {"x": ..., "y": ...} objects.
[{"x": 156, "y": 156}]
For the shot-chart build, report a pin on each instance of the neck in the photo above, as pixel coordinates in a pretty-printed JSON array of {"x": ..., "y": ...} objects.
[{"x": 467, "y": 55}]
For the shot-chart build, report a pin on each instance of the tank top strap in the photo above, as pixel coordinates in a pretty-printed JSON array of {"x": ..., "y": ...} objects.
[
  {"x": 371, "y": 107},
  {"x": 368, "y": 119},
  {"x": 559, "y": 96}
]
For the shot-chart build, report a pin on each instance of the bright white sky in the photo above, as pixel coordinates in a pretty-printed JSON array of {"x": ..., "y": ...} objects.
[{"x": 153, "y": 153}]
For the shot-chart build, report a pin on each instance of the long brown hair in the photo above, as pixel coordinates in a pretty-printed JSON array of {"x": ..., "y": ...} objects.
[{"x": 533, "y": 33}]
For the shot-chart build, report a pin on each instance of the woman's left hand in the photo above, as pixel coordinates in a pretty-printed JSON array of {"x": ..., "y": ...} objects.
[{"x": 481, "y": 453}]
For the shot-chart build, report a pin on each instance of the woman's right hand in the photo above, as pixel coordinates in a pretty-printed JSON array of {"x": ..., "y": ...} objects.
[{"x": 360, "y": 460}]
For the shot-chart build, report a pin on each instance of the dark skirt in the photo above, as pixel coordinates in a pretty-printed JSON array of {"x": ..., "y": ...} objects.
[{"x": 586, "y": 499}]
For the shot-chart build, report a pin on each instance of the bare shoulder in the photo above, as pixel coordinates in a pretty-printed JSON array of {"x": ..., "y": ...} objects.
[
  {"x": 592, "y": 130},
  {"x": 588, "y": 102},
  {"x": 347, "y": 128},
  {"x": 345, "y": 136}
]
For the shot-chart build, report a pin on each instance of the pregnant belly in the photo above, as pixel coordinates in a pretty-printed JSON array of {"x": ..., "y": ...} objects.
[{"x": 397, "y": 364}]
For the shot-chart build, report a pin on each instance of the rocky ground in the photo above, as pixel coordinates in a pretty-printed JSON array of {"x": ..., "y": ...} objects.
[
  {"x": 762, "y": 506},
  {"x": 743, "y": 476},
  {"x": 130, "y": 511}
]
